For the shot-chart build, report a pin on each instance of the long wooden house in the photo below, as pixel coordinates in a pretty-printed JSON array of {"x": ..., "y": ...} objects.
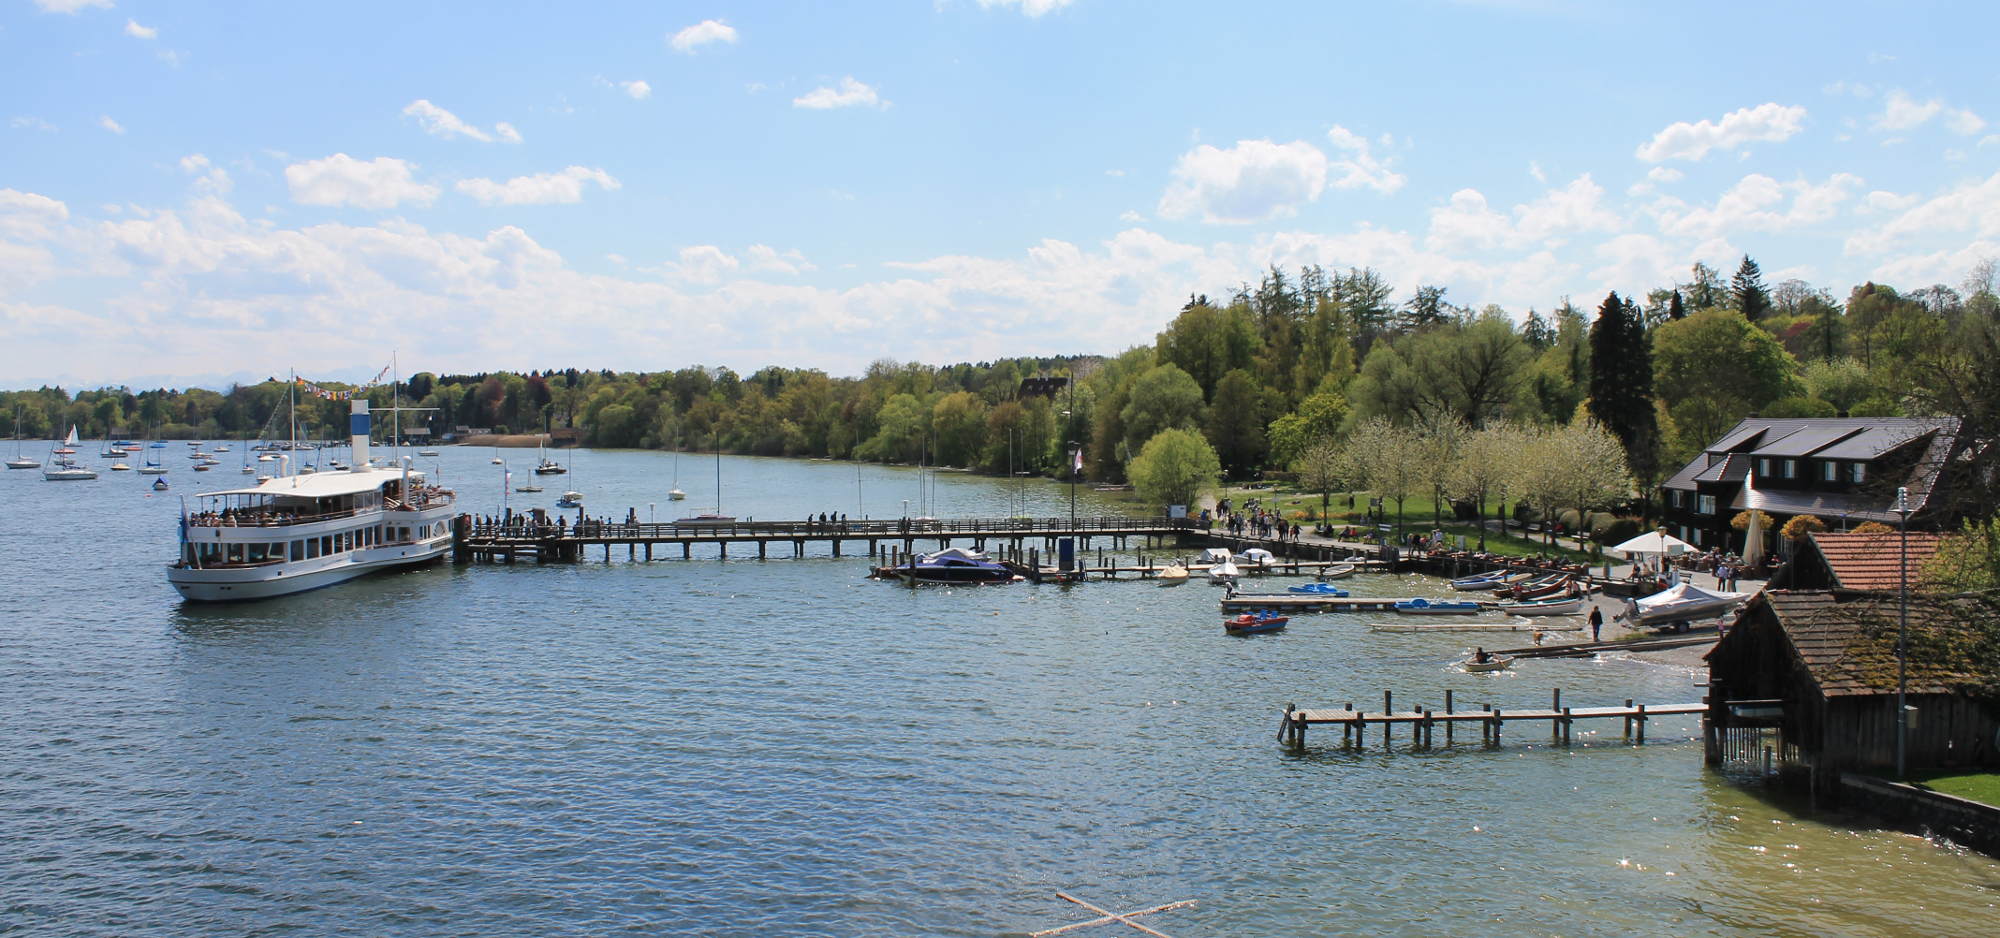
[{"x": 1812, "y": 675}]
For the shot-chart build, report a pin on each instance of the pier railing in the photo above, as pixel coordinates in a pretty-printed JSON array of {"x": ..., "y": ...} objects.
[{"x": 524, "y": 527}]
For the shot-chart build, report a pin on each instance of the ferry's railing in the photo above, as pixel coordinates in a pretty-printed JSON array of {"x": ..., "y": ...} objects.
[{"x": 525, "y": 526}]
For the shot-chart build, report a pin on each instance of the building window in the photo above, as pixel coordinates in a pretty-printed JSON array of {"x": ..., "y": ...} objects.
[
  {"x": 1764, "y": 466},
  {"x": 1705, "y": 504},
  {"x": 1791, "y": 468},
  {"x": 1674, "y": 498},
  {"x": 1857, "y": 472},
  {"x": 1831, "y": 470}
]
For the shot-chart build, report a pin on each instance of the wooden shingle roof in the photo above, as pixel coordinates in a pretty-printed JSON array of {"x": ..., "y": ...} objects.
[
  {"x": 1847, "y": 641},
  {"x": 1874, "y": 561}
]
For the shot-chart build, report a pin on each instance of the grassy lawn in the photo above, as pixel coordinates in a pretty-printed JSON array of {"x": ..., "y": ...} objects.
[
  {"x": 1418, "y": 514},
  {"x": 1983, "y": 787}
]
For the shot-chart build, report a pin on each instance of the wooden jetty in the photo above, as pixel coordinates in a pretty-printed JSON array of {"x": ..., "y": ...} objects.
[
  {"x": 548, "y": 538},
  {"x": 1423, "y": 720},
  {"x": 1473, "y": 627},
  {"x": 1318, "y": 602}
]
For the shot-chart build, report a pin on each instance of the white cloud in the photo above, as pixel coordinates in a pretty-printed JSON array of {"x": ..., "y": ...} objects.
[
  {"x": 1032, "y": 8},
  {"x": 1360, "y": 169},
  {"x": 136, "y": 31},
  {"x": 439, "y": 122},
  {"x": 850, "y": 94},
  {"x": 213, "y": 179},
  {"x": 1130, "y": 217},
  {"x": 763, "y": 257},
  {"x": 70, "y": 6},
  {"x": 541, "y": 189},
  {"x": 1769, "y": 122},
  {"x": 1902, "y": 112},
  {"x": 383, "y": 182},
  {"x": 1467, "y": 222},
  {"x": 29, "y": 216},
  {"x": 704, "y": 263},
  {"x": 31, "y": 122},
  {"x": 1255, "y": 180},
  {"x": 638, "y": 89},
  {"x": 1664, "y": 174},
  {"x": 1757, "y": 203},
  {"x": 1880, "y": 201},
  {"x": 701, "y": 34},
  {"x": 1535, "y": 172},
  {"x": 107, "y": 123},
  {"x": 1972, "y": 206}
]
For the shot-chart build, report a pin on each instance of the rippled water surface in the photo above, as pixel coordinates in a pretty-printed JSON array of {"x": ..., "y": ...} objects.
[{"x": 746, "y": 748}]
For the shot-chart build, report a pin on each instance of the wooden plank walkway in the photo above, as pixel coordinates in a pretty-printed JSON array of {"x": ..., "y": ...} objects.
[
  {"x": 1315, "y": 602},
  {"x": 1423, "y": 721}
]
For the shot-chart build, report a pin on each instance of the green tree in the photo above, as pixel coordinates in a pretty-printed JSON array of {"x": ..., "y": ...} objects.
[
  {"x": 1747, "y": 289},
  {"x": 1388, "y": 459},
  {"x": 1174, "y": 468},
  {"x": 1317, "y": 418},
  {"x": 1236, "y": 423},
  {"x": 1485, "y": 464},
  {"x": 1163, "y": 398},
  {"x": 1206, "y": 343},
  {"x": 1621, "y": 385},
  {"x": 1714, "y": 368}
]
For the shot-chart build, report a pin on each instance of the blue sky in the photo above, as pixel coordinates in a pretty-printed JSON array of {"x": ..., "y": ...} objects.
[{"x": 191, "y": 192}]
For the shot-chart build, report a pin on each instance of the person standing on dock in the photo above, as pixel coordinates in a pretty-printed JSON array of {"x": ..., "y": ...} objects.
[{"x": 1596, "y": 622}]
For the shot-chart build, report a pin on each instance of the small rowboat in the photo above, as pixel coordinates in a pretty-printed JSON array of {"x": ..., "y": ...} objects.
[
  {"x": 1336, "y": 572},
  {"x": 1484, "y": 581},
  {"x": 1511, "y": 580},
  {"x": 1567, "y": 606},
  {"x": 1545, "y": 587},
  {"x": 1250, "y": 623},
  {"x": 1492, "y": 663},
  {"x": 1318, "y": 589},
  {"x": 1436, "y": 607}
]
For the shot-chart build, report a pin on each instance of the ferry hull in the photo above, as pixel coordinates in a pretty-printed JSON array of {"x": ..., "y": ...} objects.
[{"x": 243, "y": 583}]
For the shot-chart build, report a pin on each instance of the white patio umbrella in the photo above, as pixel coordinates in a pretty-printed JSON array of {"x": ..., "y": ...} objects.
[
  {"x": 1753, "y": 539},
  {"x": 1655, "y": 542}
]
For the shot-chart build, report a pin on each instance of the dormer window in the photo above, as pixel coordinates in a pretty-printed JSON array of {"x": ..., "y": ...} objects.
[
  {"x": 1857, "y": 472},
  {"x": 1764, "y": 465},
  {"x": 1791, "y": 468},
  {"x": 1830, "y": 471}
]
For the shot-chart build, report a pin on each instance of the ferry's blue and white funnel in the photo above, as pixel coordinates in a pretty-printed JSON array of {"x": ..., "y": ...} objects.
[{"x": 357, "y": 433}]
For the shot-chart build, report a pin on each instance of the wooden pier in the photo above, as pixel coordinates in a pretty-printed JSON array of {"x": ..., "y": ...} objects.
[
  {"x": 1423, "y": 721},
  {"x": 1323, "y": 602}
]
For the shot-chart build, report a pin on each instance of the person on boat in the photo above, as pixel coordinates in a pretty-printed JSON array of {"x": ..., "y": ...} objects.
[{"x": 1480, "y": 655}]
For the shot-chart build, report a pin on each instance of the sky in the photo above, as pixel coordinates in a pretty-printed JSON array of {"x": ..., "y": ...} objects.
[{"x": 199, "y": 192}]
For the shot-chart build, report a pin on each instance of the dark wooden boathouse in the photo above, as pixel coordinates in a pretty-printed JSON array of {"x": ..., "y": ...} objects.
[{"x": 1807, "y": 680}]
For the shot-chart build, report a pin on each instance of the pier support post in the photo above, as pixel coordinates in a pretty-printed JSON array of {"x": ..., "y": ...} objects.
[
  {"x": 1386, "y": 711},
  {"x": 687, "y": 551},
  {"x": 1448, "y": 722},
  {"x": 1496, "y": 726},
  {"x": 1641, "y": 718},
  {"x": 1565, "y": 725},
  {"x": 762, "y": 548},
  {"x": 1628, "y": 719}
]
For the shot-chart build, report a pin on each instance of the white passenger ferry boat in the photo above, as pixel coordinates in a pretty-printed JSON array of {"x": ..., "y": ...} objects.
[{"x": 294, "y": 533}]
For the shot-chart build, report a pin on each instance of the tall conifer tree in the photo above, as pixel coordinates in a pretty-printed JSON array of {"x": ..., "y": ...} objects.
[
  {"x": 1621, "y": 384},
  {"x": 1747, "y": 288}
]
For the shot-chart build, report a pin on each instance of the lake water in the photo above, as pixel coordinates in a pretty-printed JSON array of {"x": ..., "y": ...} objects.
[{"x": 782, "y": 747}]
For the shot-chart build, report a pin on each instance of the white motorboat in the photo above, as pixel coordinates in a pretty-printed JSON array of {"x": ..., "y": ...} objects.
[
  {"x": 1684, "y": 603},
  {"x": 1173, "y": 575},
  {"x": 294, "y": 533},
  {"x": 1224, "y": 573},
  {"x": 570, "y": 500},
  {"x": 676, "y": 495},
  {"x": 68, "y": 473}
]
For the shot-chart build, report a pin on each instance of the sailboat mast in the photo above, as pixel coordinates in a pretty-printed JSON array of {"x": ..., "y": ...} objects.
[
  {"x": 293, "y": 418},
  {"x": 718, "y": 473}
]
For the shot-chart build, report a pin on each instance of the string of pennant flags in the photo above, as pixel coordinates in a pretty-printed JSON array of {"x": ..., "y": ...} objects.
[{"x": 331, "y": 394}]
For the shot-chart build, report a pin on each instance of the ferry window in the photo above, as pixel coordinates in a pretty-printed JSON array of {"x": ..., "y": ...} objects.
[
  {"x": 254, "y": 553},
  {"x": 298, "y": 550},
  {"x": 312, "y": 548},
  {"x": 188, "y": 555},
  {"x": 235, "y": 554}
]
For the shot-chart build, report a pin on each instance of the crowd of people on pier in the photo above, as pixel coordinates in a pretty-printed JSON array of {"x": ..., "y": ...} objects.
[{"x": 1250, "y": 520}]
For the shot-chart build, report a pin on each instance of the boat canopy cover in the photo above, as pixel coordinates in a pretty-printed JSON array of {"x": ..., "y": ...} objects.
[
  {"x": 1257, "y": 555},
  {"x": 1684, "y": 594},
  {"x": 954, "y": 553},
  {"x": 322, "y": 484},
  {"x": 1215, "y": 555}
]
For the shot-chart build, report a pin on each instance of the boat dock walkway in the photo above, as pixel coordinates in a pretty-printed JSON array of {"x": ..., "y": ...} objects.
[
  {"x": 1424, "y": 720},
  {"x": 557, "y": 539},
  {"x": 1326, "y": 602}
]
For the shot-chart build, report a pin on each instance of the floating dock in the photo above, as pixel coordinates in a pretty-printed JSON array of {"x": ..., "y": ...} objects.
[
  {"x": 1423, "y": 721},
  {"x": 1472, "y": 627},
  {"x": 1319, "y": 602}
]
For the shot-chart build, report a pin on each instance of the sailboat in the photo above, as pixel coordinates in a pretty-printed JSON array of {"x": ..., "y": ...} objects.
[
  {"x": 63, "y": 469},
  {"x": 675, "y": 494},
  {"x": 716, "y": 517},
  {"x": 496, "y": 457},
  {"x": 19, "y": 461},
  {"x": 547, "y": 466},
  {"x": 151, "y": 466}
]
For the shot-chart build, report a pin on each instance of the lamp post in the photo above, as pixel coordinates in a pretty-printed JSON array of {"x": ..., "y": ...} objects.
[{"x": 1902, "y": 511}]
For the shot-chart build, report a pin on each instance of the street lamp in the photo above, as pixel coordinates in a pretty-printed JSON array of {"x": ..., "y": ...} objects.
[{"x": 1902, "y": 511}]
